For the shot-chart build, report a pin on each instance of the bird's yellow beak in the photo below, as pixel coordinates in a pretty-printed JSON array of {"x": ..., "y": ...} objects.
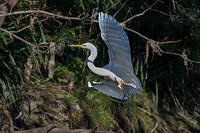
[{"x": 75, "y": 45}]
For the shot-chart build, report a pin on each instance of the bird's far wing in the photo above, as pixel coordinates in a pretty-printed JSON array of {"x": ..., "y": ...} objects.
[
  {"x": 110, "y": 88},
  {"x": 118, "y": 49}
]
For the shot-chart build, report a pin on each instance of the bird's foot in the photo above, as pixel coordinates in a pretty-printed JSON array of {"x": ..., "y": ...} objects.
[
  {"x": 125, "y": 83},
  {"x": 134, "y": 86},
  {"x": 121, "y": 88}
]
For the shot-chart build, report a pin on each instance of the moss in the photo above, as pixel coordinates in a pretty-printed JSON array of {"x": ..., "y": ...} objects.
[
  {"x": 60, "y": 70},
  {"x": 179, "y": 123}
]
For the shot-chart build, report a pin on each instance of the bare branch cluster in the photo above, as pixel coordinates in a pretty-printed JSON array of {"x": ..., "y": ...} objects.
[{"x": 155, "y": 45}]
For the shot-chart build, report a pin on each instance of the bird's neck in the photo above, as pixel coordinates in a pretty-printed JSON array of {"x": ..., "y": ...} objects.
[
  {"x": 97, "y": 70},
  {"x": 93, "y": 54}
]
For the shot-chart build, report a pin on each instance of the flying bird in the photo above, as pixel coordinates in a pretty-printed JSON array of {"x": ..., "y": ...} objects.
[{"x": 120, "y": 81}]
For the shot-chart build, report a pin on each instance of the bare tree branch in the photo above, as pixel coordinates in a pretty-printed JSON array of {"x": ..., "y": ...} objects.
[
  {"x": 170, "y": 42},
  {"x": 21, "y": 39},
  {"x": 139, "y": 34},
  {"x": 4, "y": 9},
  {"x": 77, "y": 18},
  {"x": 43, "y": 12},
  {"x": 174, "y": 5},
  {"x": 9, "y": 33},
  {"x": 26, "y": 27},
  {"x": 156, "y": 48}
]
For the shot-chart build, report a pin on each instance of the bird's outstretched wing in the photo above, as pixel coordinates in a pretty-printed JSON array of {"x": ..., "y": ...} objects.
[{"x": 117, "y": 42}]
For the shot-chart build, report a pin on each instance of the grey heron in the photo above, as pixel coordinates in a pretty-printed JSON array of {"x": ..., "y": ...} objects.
[{"x": 120, "y": 81}]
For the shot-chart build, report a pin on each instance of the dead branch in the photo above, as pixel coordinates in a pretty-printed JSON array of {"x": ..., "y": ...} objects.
[
  {"x": 155, "y": 44},
  {"x": 3, "y": 8},
  {"x": 26, "y": 27},
  {"x": 139, "y": 34},
  {"x": 77, "y": 18},
  {"x": 43, "y": 12},
  {"x": 52, "y": 61},
  {"x": 174, "y": 5},
  {"x": 156, "y": 48},
  {"x": 53, "y": 129},
  {"x": 183, "y": 56},
  {"x": 21, "y": 39},
  {"x": 161, "y": 12},
  {"x": 111, "y": 7},
  {"x": 9, "y": 33},
  {"x": 53, "y": 50},
  {"x": 170, "y": 42},
  {"x": 12, "y": 4}
]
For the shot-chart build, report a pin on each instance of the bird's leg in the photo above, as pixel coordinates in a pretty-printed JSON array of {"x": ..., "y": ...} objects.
[
  {"x": 125, "y": 83},
  {"x": 119, "y": 82},
  {"x": 129, "y": 115}
]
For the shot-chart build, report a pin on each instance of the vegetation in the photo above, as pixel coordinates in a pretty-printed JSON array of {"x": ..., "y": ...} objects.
[{"x": 165, "y": 45}]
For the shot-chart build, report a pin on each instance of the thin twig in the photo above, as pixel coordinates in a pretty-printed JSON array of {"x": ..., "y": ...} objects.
[
  {"x": 22, "y": 29},
  {"x": 184, "y": 57},
  {"x": 112, "y": 6},
  {"x": 8, "y": 32},
  {"x": 120, "y": 8},
  {"x": 161, "y": 12},
  {"x": 26, "y": 27},
  {"x": 146, "y": 38},
  {"x": 21, "y": 39},
  {"x": 142, "y": 13},
  {"x": 41, "y": 12},
  {"x": 77, "y": 18},
  {"x": 170, "y": 42},
  {"x": 174, "y": 5}
]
